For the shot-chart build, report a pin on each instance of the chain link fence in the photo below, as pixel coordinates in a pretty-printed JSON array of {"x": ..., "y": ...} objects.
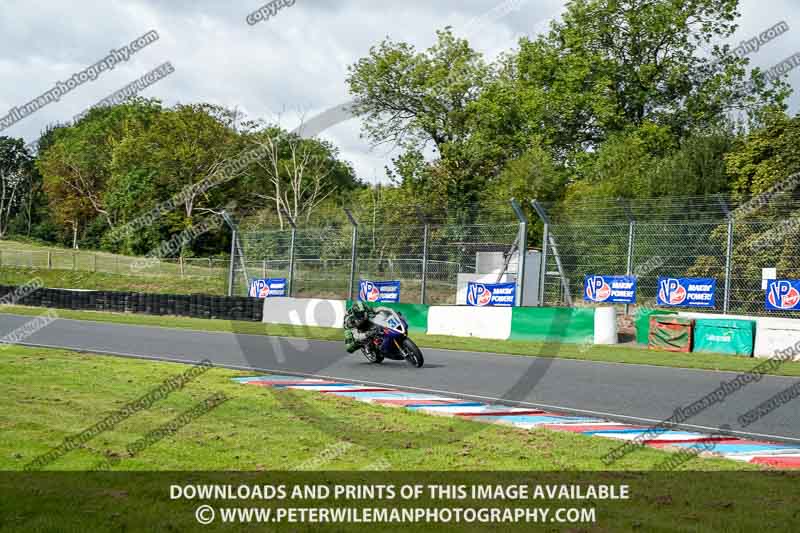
[
  {"x": 425, "y": 255},
  {"x": 186, "y": 267},
  {"x": 721, "y": 237}
]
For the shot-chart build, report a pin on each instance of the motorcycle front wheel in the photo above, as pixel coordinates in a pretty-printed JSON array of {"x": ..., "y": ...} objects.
[{"x": 412, "y": 353}]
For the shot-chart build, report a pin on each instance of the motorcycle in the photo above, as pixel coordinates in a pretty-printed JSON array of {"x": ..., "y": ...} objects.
[{"x": 391, "y": 341}]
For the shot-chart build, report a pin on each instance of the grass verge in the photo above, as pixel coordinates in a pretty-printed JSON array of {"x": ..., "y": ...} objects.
[
  {"x": 49, "y": 395},
  {"x": 608, "y": 354},
  {"x": 101, "y": 281}
]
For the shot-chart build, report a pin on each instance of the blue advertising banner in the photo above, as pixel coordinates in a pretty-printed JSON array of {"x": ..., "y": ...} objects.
[
  {"x": 686, "y": 292},
  {"x": 491, "y": 294},
  {"x": 267, "y": 288},
  {"x": 610, "y": 289},
  {"x": 379, "y": 291},
  {"x": 783, "y": 295}
]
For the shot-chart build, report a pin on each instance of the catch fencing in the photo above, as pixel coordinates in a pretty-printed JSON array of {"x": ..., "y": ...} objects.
[
  {"x": 425, "y": 254},
  {"x": 720, "y": 237}
]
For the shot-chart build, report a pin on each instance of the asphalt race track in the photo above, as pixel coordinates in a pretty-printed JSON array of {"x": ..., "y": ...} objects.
[{"x": 630, "y": 393}]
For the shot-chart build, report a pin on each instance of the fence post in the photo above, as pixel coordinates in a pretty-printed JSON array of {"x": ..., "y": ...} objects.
[
  {"x": 353, "y": 253},
  {"x": 231, "y": 266},
  {"x": 180, "y": 259},
  {"x": 94, "y": 262},
  {"x": 291, "y": 260},
  {"x": 728, "y": 265},
  {"x": 292, "y": 242},
  {"x": 74, "y": 263},
  {"x": 545, "y": 235},
  {"x": 522, "y": 250},
  {"x": 49, "y": 260},
  {"x": 425, "y": 237},
  {"x": 631, "y": 234}
]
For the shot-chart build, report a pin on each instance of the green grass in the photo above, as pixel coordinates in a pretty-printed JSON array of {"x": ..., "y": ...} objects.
[
  {"x": 51, "y": 394},
  {"x": 628, "y": 354},
  {"x": 68, "y": 279}
]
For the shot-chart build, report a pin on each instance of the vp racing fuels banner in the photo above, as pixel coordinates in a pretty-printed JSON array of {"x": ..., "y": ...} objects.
[
  {"x": 379, "y": 291},
  {"x": 491, "y": 294},
  {"x": 267, "y": 288},
  {"x": 783, "y": 295},
  {"x": 610, "y": 289},
  {"x": 686, "y": 292}
]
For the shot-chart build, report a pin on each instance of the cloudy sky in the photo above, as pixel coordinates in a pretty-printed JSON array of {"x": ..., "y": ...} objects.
[{"x": 292, "y": 65}]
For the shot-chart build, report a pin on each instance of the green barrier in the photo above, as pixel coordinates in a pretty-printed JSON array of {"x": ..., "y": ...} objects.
[
  {"x": 642, "y": 322},
  {"x": 415, "y": 314},
  {"x": 552, "y": 324},
  {"x": 671, "y": 333},
  {"x": 724, "y": 335}
]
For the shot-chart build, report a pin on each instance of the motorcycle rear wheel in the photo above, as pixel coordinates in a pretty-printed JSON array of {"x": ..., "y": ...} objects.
[{"x": 412, "y": 353}]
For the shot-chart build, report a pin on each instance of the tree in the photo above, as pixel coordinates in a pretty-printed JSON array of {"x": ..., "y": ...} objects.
[
  {"x": 297, "y": 175},
  {"x": 421, "y": 101},
  {"x": 77, "y": 165},
  {"x": 612, "y": 65},
  {"x": 767, "y": 156},
  {"x": 179, "y": 148},
  {"x": 16, "y": 171}
]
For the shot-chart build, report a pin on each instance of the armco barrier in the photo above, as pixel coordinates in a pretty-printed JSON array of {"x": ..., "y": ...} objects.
[
  {"x": 458, "y": 321},
  {"x": 189, "y": 305},
  {"x": 415, "y": 314},
  {"x": 553, "y": 324},
  {"x": 305, "y": 312}
]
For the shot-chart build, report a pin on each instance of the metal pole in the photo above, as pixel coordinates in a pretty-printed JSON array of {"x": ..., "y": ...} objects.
[
  {"x": 631, "y": 229},
  {"x": 425, "y": 237},
  {"x": 728, "y": 253},
  {"x": 728, "y": 266},
  {"x": 291, "y": 251},
  {"x": 522, "y": 249},
  {"x": 545, "y": 233},
  {"x": 353, "y": 253},
  {"x": 291, "y": 260},
  {"x": 231, "y": 266}
]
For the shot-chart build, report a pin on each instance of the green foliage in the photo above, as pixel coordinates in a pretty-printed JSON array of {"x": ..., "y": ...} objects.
[
  {"x": 767, "y": 156},
  {"x": 117, "y": 163}
]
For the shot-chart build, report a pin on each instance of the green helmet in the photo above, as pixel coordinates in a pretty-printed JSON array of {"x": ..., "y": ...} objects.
[{"x": 360, "y": 310}]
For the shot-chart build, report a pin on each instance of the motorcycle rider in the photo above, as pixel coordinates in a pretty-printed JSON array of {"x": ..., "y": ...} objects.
[{"x": 358, "y": 328}]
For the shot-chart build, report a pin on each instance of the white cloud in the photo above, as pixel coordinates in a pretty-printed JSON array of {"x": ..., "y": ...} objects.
[{"x": 293, "y": 63}]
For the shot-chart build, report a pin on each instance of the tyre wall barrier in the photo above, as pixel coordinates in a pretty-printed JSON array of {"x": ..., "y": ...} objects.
[
  {"x": 778, "y": 336},
  {"x": 481, "y": 322},
  {"x": 571, "y": 325},
  {"x": 188, "y": 305},
  {"x": 314, "y": 312},
  {"x": 773, "y": 335},
  {"x": 605, "y": 326},
  {"x": 554, "y": 324},
  {"x": 415, "y": 314}
]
